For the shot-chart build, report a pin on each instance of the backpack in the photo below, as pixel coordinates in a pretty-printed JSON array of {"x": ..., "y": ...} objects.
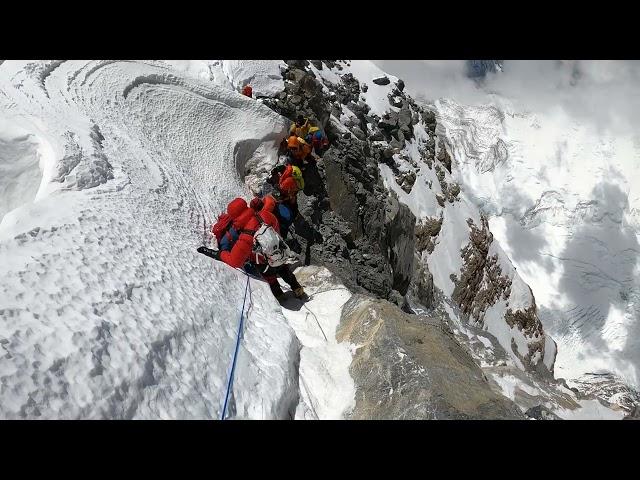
[
  {"x": 268, "y": 243},
  {"x": 224, "y": 231},
  {"x": 296, "y": 173}
]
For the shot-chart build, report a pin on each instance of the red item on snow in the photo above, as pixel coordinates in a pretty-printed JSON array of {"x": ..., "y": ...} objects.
[
  {"x": 248, "y": 91},
  {"x": 224, "y": 223}
]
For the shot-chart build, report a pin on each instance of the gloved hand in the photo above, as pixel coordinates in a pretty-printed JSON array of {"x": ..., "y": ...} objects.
[{"x": 215, "y": 254}]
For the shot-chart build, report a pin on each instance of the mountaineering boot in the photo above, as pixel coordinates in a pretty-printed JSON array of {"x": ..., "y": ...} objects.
[
  {"x": 209, "y": 252},
  {"x": 300, "y": 294}
]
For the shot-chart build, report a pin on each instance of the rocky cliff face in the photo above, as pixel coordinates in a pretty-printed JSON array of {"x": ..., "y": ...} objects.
[
  {"x": 384, "y": 214},
  {"x": 358, "y": 228}
]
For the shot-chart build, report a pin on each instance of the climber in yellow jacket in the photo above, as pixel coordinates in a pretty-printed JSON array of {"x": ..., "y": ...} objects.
[
  {"x": 302, "y": 127},
  {"x": 309, "y": 134}
]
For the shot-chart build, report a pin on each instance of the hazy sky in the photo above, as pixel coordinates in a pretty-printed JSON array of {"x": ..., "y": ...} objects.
[{"x": 606, "y": 92}]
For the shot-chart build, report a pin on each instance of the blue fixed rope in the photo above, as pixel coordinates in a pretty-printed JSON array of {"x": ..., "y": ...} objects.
[{"x": 235, "y": 353}]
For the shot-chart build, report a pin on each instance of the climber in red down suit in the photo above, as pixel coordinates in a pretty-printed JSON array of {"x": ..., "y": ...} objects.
[{"x": 245, "y": 222}]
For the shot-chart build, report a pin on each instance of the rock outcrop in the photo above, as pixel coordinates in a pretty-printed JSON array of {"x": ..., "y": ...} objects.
[{"x": 411, "y": 367}]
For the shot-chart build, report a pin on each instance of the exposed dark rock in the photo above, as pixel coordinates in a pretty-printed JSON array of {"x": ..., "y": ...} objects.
[
  {"x": 406, "y": 180},
  {"x": 297, "y": 63},
  {"x": 482, "y": 283},
  {"x": 429, "y": 118},
  {"x": 367, "y": 234},
  {"x": 388, "y": 153},
  {"x": 384, "y": 80},
  {"x": 359, "y": 133},
  {"x": 399, "y": 240},
  {"x": 389, "y": 121},
  {"x": 404, "y": 116},
  {"x": 541, "y": 412},
  {"x": 423, "y": 287},
  {"x": 296, "y": 75},
  {"x": 397, "y": 144},
  {"x": 424, "y": 231},
  {"x": 395, "y": 101},
  {"x": 525, "y": 320},
  {"x": 376, "y": 136},
  {"x": 443, "y": 156},
  {"x": 302, "y": 95},
  {"x": 634, "y": 415}
]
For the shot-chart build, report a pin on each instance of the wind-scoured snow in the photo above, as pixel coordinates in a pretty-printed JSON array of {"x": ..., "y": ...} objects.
[{"x": 106, "y": 309}]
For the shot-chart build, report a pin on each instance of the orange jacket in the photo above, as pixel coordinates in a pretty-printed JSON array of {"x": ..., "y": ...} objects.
[{"x": 302, "y": 151}]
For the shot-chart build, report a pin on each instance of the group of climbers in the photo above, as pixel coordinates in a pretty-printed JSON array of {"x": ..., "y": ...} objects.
[
  {"x": 305, "y": 143},
  {"x": 252, "y": 236}
]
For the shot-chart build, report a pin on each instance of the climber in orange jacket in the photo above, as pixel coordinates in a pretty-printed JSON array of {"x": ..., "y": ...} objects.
[{"x": 299, "y": 151}]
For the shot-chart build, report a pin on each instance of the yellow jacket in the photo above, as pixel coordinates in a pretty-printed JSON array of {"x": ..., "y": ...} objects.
[{"x": 304, "y": 130}]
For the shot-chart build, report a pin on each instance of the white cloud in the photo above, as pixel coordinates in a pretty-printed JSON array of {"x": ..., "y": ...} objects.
[{"x": 605, "y": 92}]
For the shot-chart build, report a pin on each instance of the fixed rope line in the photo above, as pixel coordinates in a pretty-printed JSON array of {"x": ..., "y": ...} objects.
[
  {"x": 235, "y": 353},
  {"x": 314, "y": 316}
]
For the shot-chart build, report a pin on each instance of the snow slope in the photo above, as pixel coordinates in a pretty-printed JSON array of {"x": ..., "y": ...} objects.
[
  {"x": 327, "y": 391},
  {"x": 106, "y": 309},
  {"x": 564, "y": 202}
]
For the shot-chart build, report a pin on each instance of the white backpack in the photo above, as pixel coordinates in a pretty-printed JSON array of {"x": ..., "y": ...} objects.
[{"x": 268, "y": 243}]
